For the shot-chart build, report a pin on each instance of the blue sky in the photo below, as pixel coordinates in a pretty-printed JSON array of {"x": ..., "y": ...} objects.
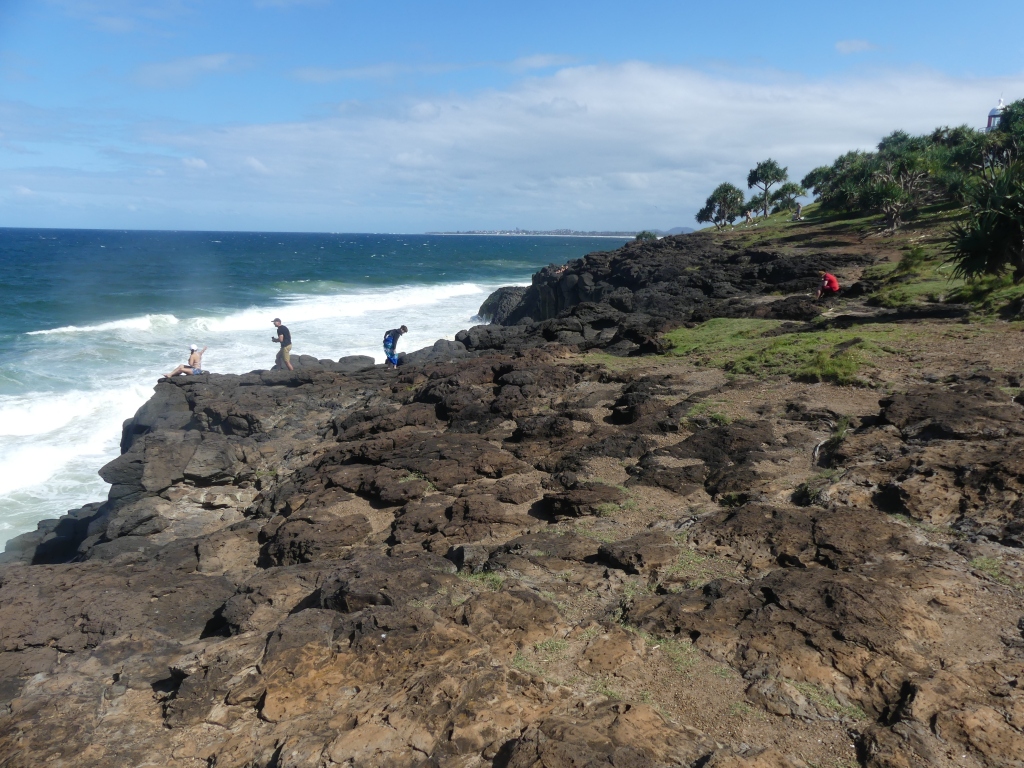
[{"x": 404, "y": 117}]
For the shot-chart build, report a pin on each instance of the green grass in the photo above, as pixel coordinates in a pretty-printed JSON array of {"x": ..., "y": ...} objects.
[
  {"x": 740, "y": 346},
  {"x": 683, "y": 655},
  {"x": 993, "y": 568},
  {"x": 920, "y": 276},
  {"x": 739, "y": 709},
  {"x": 523, "y": 664},
  {"x": 602, "y": 687},
  {"x": 552, "y": 648},
  {"x": 988, "y": 295},
  {"x": 692, "y": 570},
  {"x": 819, "y": 695},
  {"x": 812, "y": 491},
  {"x": 488, "y": 579},
  {"x": 418, "y": 476},
  {"x": 704, "y": 409},
  {"x": 602, "y": 536}
]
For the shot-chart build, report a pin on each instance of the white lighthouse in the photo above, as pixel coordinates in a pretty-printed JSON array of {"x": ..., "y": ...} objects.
[{"x": 994, "y": 116}]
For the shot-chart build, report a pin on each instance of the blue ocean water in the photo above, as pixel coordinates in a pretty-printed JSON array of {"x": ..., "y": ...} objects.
[{"x": 91, "y": 318}]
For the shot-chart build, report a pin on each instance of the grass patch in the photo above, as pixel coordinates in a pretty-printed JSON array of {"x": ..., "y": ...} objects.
[
  {"x": 703, "y": 409},
  {"x": 741, "y": 346},
  {"x": 993, "y": 568},
  {"x": 926, "y": 527},
  {"x": 602, "y": 687},
  {"x": 418, "y": 476},
  {"x": 635, "y": 588},
  {"x": 814, "y": 490},
  {"x": 988, "y": 295},
  {"x": 523, "y": 664},
  {"x": 488, "y": 579},
  {"x": 838, "y": 436},
  {"x": 552, "y": 648},
  {"x": 692, "y": 570},
  {"x": 602, "y": 536},
  {"x": 819, "y": 695},
  {"x": 681, "y": 653},
  {"x": 739, "y": 709}
]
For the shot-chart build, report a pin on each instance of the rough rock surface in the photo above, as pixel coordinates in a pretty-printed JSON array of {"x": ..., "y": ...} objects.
[
  {"x": 619, "y": 300},
  {"x": 513, "y": 558}
]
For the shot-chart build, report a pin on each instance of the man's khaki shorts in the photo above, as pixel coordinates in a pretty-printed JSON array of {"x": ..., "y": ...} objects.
[{"x": 285, "y": 355}]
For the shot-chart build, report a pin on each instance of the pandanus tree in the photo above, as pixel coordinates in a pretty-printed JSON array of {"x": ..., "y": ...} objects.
[
  {"x": 764, "y": 176},
  {"x": 990, "y": 240},
  {"x": 722, "y": 207},
  {"x": 785, "y": 197}
]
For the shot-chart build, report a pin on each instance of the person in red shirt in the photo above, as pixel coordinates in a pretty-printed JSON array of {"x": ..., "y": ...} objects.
[{"x": 829, "y": 286}]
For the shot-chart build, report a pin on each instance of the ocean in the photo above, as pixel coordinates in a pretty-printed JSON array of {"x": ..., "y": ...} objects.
[{"x": 92, "y": 318}]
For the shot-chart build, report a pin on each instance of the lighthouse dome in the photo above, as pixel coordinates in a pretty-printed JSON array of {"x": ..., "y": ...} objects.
[{"x": 994, "y": 116}]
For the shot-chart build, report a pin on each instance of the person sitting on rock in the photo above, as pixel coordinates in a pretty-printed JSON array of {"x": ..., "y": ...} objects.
[
  {"x": 390, "y": 341},
  {"x": 194, "y": 364},
  {"x": 829, "y": 287}
]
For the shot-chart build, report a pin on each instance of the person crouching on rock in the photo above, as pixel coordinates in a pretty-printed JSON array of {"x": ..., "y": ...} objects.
[
  {"x": 284, "y": 338},
  {"x": 194, "y": 364},
  {"x": 828, "y": 288},
  {"x": 390, "y": 341}
]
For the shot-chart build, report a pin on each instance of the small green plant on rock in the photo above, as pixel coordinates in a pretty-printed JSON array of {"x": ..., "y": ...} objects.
[
  {"x": 601, "y": 686},
  {"x": 488, "y": 579},
  {"x": 815, "y": 693},
  {"x": 552, "y": 648}
]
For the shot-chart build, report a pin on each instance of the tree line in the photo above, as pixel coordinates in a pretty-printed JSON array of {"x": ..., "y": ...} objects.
[
  {"x": 727, "y": 203},
  {"x": 981, "y": 172}
]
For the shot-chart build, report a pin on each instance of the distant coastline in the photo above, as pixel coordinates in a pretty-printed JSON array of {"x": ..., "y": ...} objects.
[{"x": 563, "y": 232}]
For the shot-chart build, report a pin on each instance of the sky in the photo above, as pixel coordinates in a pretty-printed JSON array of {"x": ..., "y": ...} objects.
[{"x": 332, "y": 116}]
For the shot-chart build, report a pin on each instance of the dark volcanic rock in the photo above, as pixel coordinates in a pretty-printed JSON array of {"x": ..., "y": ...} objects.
[
  {"x": 673, "y": 280},
  {"x": 499, "y": 305},
  {"x": 419, "y": 568}
]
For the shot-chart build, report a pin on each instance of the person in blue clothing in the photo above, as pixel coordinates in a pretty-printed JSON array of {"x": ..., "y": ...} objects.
[{"x": 390, "y": 341}]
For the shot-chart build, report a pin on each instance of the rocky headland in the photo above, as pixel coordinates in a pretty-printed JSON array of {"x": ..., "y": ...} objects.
[{"x": 557, "y": 542}]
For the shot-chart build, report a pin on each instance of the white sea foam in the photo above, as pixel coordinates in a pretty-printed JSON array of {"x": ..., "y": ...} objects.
[
  {"x": 143, "y": 323},
  {"x": 53, "y": 442},
  {"x": 303, "y": 308}
]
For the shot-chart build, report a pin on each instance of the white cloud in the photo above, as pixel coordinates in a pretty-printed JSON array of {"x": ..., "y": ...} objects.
[
  {"x": 847, "y": 47},
  {"x": 22, "y": 191},
  {"x": 382, "y": 71},
  {"x": 540, "y": 61},
  {"x": 196, "y": 163},
  {"x": 124, "y": 16},
  {"x": 596, "y": 147},
  {"x": 255, "y": 165},
  {"x": 181, "y": 72},
  {"x": 330, "y": 75},
  {"x": 286, "y": 3},
  {"x": 116, "y": 24},
  {"x": 387, "y": 70}
]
